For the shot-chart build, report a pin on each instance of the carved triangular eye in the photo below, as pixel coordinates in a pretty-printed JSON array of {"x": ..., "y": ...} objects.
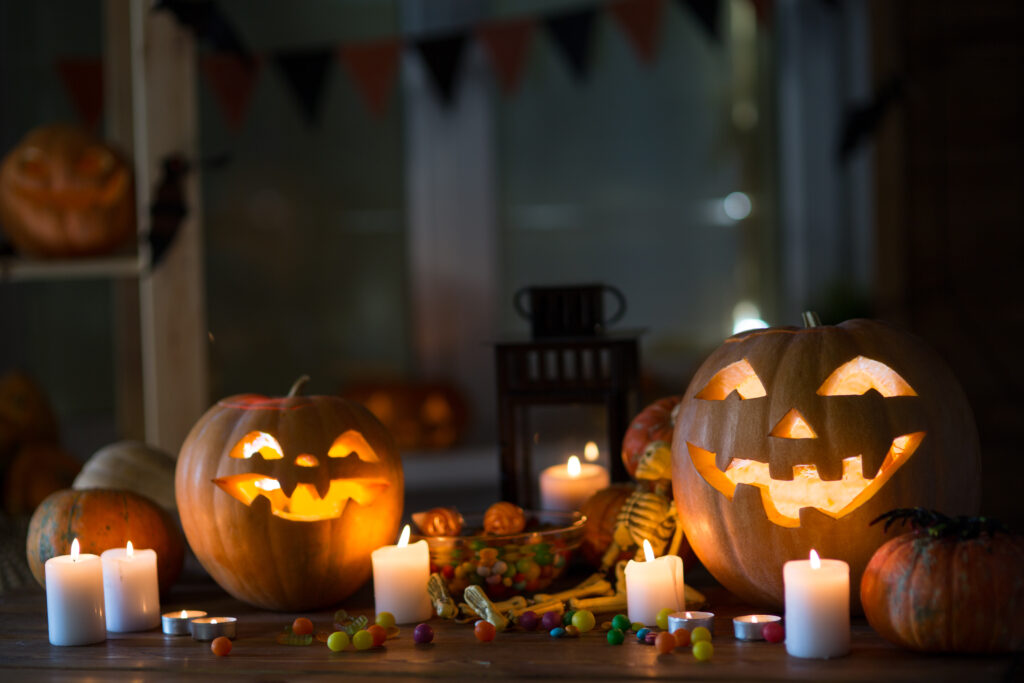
[
  {"x": 352, "y": 441},
  {"x": 257, "y": 442},
  {"x": 739, "y": 377},
  {"x": 856, "y": 377}
]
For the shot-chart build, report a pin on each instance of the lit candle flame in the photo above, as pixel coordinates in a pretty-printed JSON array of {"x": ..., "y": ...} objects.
[
  {"x": 815, "y": 560},
  {"x": 267, "y": 484},
  {"x": 590, "y": 452},
  {"x": 213, "y": 621},
  {"x": 754, "y": 619},
  {"x": 129, "y": 551},
  {"x": 574, "y": 466},
  {"x": 648, "y": 551},
  {"x": 184, "y": 614},
  {"x": 74, "y": 550},
  {"x": 404, "y": 538}
]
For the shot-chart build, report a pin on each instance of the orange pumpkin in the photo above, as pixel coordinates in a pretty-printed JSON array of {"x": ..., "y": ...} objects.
[
  {"x": 37, "y": 470},
  {"x": 25, "y": 413},
  {"x": 601, "y": 511},
  {"x": 795, "y": 439},
  {"x": 65, "y": 193},
  {"x": 950, "y": 585},
  {"x": 100, "y": 520},
  {"x": 652, "y": 425},
  {"x": 283, "y": 499}
]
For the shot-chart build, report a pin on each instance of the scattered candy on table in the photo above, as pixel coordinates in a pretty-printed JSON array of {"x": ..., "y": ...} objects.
[
  {"x": 378, "y": 633},
  {"x": 550, "y": 620},
  {"x": 572, "y": 631},
  {"x": 567, "y": 617},
  {"x": 221, "y": 646},
  {"x": 621, "y": 622},
  {"x": 774, "y": 632},
  {"x": 663, "y": 618},
  {"x": 529, "y": 620},
  {"x": 584, "y": 620},
  {"x": 703, "y": 650},
  {"x": 484, "y": 631},
  {"x": 700, "y": 633},
  {"x": 682, "y": 637},
  {"x": 557, "y": 632},
  {"x": 362, "y": 640},
  {"x": 665, "y": 642},
  {"x": 385, "y": 619},
  {"x": 642, "y": 633},
  {"x": 650, "y": 637},
  {"x": 616, "y": 637},
  {"x": 423, "y": 634},
  {"x": 337, "y": 641},
  {"x": 302, "y": 626}
]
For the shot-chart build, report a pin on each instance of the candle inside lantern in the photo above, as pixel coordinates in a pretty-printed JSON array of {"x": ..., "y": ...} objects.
[
  {"x": 400, "y": 576},
  {"x": 590, "y": 452},
  {"x": 565, "y": 487},
  {"x": 74, "y": 598},
  {"x": 654, "y": 585},
  {"x": 817, "y": 607},
  {"x": 130, "y": 589}
]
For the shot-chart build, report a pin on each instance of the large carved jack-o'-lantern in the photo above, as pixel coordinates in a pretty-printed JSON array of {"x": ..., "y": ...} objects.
[
  {"x": 283, "y": 499},
  {"x": 791, "y": 439},
  {"x": 65, "y": 193}
]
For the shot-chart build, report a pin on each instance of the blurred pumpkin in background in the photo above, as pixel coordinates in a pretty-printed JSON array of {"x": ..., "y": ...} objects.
[
  {"x": 420, "y": 415},
  {"x": 38, "y": 469},
  {"x": 64, "y": 193},
  {"x": 131, "y": 466}
]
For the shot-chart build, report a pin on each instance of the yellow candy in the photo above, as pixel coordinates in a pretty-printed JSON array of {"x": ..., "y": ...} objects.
[
  {"x": 700, "y": 634},
  {"x": 703, "y": 650},
  {"x": 663, "y": 618}
]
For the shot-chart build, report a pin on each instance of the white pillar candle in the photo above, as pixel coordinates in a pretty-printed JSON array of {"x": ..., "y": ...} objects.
[
  {"x": 653, "y": 585},
  {"x": 400, "y": 576},
  {"x": 565, "y": 487},
  {"x": 130, "y": 589},
  {"x": 74, "y": 598},
  {"x": 817, "y": 607}
]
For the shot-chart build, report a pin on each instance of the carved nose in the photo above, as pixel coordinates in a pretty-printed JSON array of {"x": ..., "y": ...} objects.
[
  {"x": 306, "y": 460},
  {"x": 793, "y": 425}
]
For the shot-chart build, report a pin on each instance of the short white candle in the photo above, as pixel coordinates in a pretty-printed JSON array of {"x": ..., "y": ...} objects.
[
  {"x": 817, "y": 607},
  {"x": 565, "y": 487},
  {"x": 130, "y": 589},
  {"x": 653, "y": 585},
  {"x": 400, "y": 576},
  {"x": 74, "y": 598}
]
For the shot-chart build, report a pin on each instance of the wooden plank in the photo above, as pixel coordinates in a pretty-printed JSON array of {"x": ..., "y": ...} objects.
[{"x": 455, "y": 653}]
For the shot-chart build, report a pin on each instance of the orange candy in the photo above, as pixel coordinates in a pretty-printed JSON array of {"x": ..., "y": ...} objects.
[
  {"x": 682, "y": 637},
  {"x": 379, "y": 633},
  {"x": 302, "y": 626},
  {"x": 221, "y": 646},
  {"x": 665, "y": 643},
  {"x": 484, "y": 631}
]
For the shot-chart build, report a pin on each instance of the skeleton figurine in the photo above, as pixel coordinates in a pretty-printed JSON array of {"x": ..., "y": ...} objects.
[{"x": 648, "y": 514}]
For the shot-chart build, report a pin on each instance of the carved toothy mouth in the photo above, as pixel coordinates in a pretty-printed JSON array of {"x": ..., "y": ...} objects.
[
  {"x": 783, "y": 499},
  {"x": 305, "y": 503}
]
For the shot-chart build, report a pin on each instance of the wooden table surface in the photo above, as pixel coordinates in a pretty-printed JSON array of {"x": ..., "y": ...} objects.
[{"x": 26, "y": 654}]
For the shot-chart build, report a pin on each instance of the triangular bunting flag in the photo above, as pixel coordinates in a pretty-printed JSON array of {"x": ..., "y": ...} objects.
[
  {"x": 573, "y": 33},
  {"x": 506, "y": 44},
  {"x": 639, "y": 20},
  {"x": 232, "y": 82},
  {"x": 306, "y": 73},
  {"x": 443, "y": 55},
  {"x": 208, "y": 23},
  {"x": 373, "y": 67},
  {"x": 83, "y": 79},
  {"x": 706, "y": 12}
]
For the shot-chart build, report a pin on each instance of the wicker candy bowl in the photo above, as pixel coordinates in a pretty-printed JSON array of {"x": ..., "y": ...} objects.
[{"x": 507, "y": 565}]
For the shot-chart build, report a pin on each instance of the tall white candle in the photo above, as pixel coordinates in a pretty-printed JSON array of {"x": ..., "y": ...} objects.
[
  {"x": 74, "y": 598},
  {"x": 565, "y": 487},
  {"x": 654, "y": 585},
  {"x": 130, "y": 589},
  {"x": 817, "y": 607},
  {"x": 400, "y": 576}
]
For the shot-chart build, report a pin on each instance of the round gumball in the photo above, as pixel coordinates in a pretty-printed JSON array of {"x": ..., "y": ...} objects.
[
  {"x": 221, "y": 646},
  {"x": 302, "y": 626},
  {"x": 385, "y": 620},
  {"x": 621, "y": 622},
  {"x": 550, "y": 620},
  {"x": 682, "y": 637},
  {"x": 379, "y": 634},
  {"x": 662, "y": 618},
  {"x": 423, "y": 634},
  {"x": 529, "y": 620},
  {"x": 664, "y": 643},
  {"x": 700, "y": 633},
  {"x": 362, "y": 640},
  {"x": 337, "y": 641},
  {"x": 774, "y": 632},
  {"x": 703, "y": 650},
  {"x": 584, "y": 620},
  {"x": 484, "y": 631},
  {"x": 616, "y": 636}
]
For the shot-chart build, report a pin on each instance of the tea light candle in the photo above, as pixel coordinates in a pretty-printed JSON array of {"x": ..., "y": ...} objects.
[
  {"x": 130, "y": 590},
  {"x": 750, "y": 626},
  {"x": 400, "y": 576},
  {"x": 653, "y": 585},
  {"x": 817, "y": 607},
  {"x": 690, "y": 621},
  {"x": 565, "y": 487},
  {"x": 208, "y": 628},
  {"x": 177, "y": 623},
  {"x": 74, "y": 598}
]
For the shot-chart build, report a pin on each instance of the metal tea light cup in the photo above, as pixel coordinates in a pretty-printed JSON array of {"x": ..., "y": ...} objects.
[
  {"x": 208, "y": 628},
  {"x": 690, "y": 620},
  {"x": 177, "y": 623},
  {"x": 751, "y": 626}
]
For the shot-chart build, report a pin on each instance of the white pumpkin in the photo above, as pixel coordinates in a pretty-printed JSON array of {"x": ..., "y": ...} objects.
[{"x": 131, "y": 466}]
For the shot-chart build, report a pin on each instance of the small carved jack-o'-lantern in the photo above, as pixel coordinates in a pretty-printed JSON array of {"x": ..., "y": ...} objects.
[
  {"x": 283, "y": 499},
  {"x": 65, "y": 193},
  {"x": 792, "y": 439}
]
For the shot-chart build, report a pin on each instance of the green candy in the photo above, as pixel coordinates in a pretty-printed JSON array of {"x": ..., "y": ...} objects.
[
  {"x": 567, "y": 617},
  {"x": 524, "y": 564},
  {"x": 542, "y": 560},
  {"x": 621, "y": 622},
  {"x": 616, "y": 637}
]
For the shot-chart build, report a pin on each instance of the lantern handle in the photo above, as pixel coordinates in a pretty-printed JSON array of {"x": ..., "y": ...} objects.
[
  {"x": 811, "y": 319},
  {"x": 297, "y": 387}
]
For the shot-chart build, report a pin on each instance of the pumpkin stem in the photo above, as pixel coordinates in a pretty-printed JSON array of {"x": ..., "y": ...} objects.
[
  {"x": 297, "y": 387},
  {"x": 811, "y": 319}
]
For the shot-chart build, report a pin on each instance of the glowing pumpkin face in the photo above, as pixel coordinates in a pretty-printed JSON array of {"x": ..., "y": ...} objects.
[
  {"x": 283, "y": 499},
  {"x": 791, "y": 439}
]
